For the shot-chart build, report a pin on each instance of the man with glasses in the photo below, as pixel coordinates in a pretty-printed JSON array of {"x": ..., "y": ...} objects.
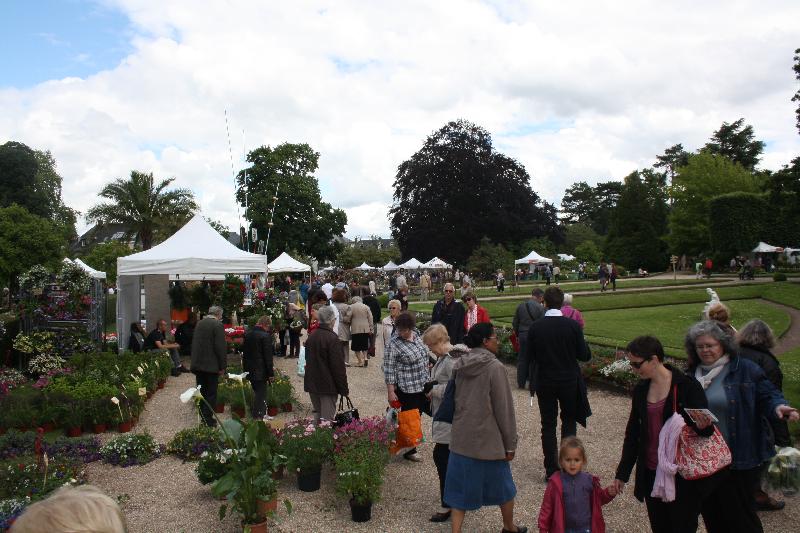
[
  {"x": 450, "y": 313},
  {"x": 555, "y": 345}
]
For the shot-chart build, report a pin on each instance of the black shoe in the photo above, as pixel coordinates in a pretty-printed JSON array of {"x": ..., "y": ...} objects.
[
  {"x": 175, "y": 372},
  {"x": 366, "y": 363},
  {"x": 520, "y": 529},
  {"x": 440, "y": 517},
  {"x": 770, "y": 504},
  {"x": 183, "y": 369}
]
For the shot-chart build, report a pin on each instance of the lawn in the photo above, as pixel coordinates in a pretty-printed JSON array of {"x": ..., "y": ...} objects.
[
  {"x": 670, "y": 322},
  {"x": 569, "y": 286},
  {"x": 790, "y": 365}
]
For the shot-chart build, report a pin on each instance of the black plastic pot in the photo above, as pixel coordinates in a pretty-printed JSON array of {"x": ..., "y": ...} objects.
[
  {"x": 360, "y": 513},
  {"x": 309, "y": 481}
]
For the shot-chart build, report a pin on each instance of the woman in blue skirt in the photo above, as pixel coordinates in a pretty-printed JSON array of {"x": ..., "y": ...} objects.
[{"x": 484, "y": 433}]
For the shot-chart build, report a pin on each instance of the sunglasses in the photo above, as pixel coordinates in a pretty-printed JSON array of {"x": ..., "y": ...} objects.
[
  {"x": 467, "y": 299},
  {"x": 637, "y": 365}
]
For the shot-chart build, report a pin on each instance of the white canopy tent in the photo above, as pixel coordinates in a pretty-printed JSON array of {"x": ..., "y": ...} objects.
[
  {"x": 411, "y": 264},
  {"x": 533, "y": 259},
  {"x": 566, "y": 257},
  {"x": 287, "y": 263},
  {"x": 364, "y": 266},
  {"x": 193, "y": 250},
  {"x": 792, "y": 255},
  {"x": 437, "y": 264},
  {"x": 96, "y": 274},
  {"x": 765, "y": 248},
  {"x": 390, "y": 266}
]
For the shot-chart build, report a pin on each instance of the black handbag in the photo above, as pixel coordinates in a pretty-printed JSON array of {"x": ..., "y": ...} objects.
[{"x": 345, "y": 416}]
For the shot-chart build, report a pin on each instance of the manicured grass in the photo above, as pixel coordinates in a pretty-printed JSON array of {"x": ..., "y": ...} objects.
[
  {"x": 569, "y": 286},
  {"x": 669, "y": 323},
  {"x": 790, "y": 366}
]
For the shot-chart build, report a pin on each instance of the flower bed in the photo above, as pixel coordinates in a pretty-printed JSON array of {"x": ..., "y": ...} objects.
[
  {"x": 191, "y": 444},
  {"x": 17, "y": 444},
  {"x": 131, "y": 449}
]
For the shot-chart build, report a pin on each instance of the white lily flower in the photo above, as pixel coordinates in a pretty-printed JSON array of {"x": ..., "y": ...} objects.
[
  {"x": 115, "y": 400},
  {"x": 142, "y": 391},
  {"x": 141, "y": 371},
  {"x": 238, "y": 377},
  {"x": 190, "y": 393}
]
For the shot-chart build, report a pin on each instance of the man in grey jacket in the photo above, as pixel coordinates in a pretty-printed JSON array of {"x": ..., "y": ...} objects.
[
  {"x": 209, "y": 359},
  {"x": 526, "y": 314}
]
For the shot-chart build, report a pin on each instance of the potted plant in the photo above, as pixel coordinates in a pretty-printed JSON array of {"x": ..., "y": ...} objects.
[
  {"x": 282, "y": 392},
  {"x": 361, "y": 455},
  {"x": 223, "y": 392},
  {"x": 307, "y": 447},
  {"x": 273, "y": 400},
  {"x": 73, "y": 420}
]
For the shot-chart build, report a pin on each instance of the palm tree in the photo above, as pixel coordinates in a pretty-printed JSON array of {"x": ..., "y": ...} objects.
[{"x": 146, "y": 208}]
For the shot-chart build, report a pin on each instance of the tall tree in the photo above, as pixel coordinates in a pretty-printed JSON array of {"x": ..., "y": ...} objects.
[
  {"x": 796, "y": 97},
  {"x": 577, "y": 234},
  {"x": 590, "y": 205},
  {"x": 736, "y": 222},
  {"x": 783, "y": 194},
  {"x": 671, "y": 160},
  {"x": 737, "y": 142},
  {"x": 639, "y": 223},
  {"x": 457, "y": 189},
  {"x": 704, "y": 177},
  {"x": 488, "y": 258},
  {"x": 26, "y": 240},
  {"x": 144, "y": 206},
  {"x": 302, "y": 221}
]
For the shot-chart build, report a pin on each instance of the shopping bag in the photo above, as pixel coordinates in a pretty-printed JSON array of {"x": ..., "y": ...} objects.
[
  {"x": 345, "y": 415},
  {"x": 301, "y": 362},
  {"x": 409, "y": 430}
]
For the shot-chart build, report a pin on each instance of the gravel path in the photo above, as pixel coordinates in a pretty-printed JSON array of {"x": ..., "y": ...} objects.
[{"x": 165, "y": 496}]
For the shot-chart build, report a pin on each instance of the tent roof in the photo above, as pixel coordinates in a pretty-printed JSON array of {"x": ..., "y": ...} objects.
[
  {"x": 390, "y": 266},
  {"x": 96, "y": 274},
  {"x": 766, "y": 248},
  {"x": 196, "y": 248},
  {"x": 364, "y": 266},
  {"x": 532, "y": 257},
  {"x": 287, "y": 263},
  {"x": 437, "y": 263},
  {"x": 411, "y": 264}
]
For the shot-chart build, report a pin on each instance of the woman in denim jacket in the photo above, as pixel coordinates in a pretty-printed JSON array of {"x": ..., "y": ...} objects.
[{"x": 743, "y": 399}]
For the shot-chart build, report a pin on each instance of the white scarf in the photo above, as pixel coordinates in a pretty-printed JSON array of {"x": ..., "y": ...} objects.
[
  {"x": 472, "y": 317},
  {"x": 713, "y": 371}
]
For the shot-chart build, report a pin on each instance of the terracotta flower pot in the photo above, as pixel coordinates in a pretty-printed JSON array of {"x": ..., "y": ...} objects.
[
  {"x": 261, "y": 527},
  {"x": 74, "y": 431},
  {"x": 48, "y": 426},
  {"x": 162, "y": 383},
  {"x": 99, "y": 428},
  {"x": 287, "y": 407},
  {"x": 124, "y": 427},
  {"x": 279, "y": 473},
  {"x": 265, "y": 507},
  {"x": 219, "y": 408},
  {"x": 238, "y": 410},
  {"x": 272, "y": 411}
]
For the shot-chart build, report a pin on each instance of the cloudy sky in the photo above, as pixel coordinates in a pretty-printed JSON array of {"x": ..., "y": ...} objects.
[{"x": 579, "y": 90}]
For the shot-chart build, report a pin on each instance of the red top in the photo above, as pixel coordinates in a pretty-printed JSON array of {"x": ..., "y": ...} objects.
[
  {"x": 655, "y": 421},
  {"x": 483, "y": 316},
  {"x": 551, "y": 515}
]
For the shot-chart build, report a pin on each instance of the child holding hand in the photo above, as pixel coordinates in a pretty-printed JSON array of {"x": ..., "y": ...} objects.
[{"x": 573, "y": 498}]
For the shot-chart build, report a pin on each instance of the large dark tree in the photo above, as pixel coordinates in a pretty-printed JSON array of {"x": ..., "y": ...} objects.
[
  {"x": 737, "y": 142},
  {"x": 783, "y": 188},
  {"x": 796, "y": 97},
  {"x": 456, "y": 190},
  {"x": 736, "y": 222},
  {"x": 671, "y": 160},
  {"x": 146, "y": 207},
  {"x": 26, "y": 240},
  {"x": 302, "y": 222},
  {"x": 589, "y": 205},
  {"x": 639, "y": 223}
]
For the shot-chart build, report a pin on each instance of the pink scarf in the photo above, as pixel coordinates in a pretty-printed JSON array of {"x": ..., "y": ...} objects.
[{"x": 472, "y": 317}]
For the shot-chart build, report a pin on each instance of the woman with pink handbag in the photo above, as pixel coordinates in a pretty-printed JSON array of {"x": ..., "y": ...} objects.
[
  {"x": 661, "y": 391},
  {"x": 743, "y": 400}
]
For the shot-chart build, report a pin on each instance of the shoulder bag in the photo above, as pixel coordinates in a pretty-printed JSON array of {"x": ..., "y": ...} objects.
[
  {"x": 697, "y": 456},
  {"x": 345, "y": 416}
]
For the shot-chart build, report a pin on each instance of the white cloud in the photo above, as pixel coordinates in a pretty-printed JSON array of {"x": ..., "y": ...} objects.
[{"x": 575, "y": 93}]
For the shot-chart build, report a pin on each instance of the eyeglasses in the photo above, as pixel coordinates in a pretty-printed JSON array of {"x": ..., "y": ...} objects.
[
  {"x": 637, "y": 365},
  {"x": 467, "y": 299},
  {"x": 702, "y": 347}
]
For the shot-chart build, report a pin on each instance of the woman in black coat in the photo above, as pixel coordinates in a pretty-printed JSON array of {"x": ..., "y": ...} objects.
[
  {"x": 756, "y": 341},
  {"x": 654, "y": 393}
]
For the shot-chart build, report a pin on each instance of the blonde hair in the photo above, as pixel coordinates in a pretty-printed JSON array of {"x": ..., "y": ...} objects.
[
  {"x": 83, "y": 509},
  {"x": 435, "y": 334},
  {"x": 395, "y": 302},
  {"x": 573, "y": 443}
]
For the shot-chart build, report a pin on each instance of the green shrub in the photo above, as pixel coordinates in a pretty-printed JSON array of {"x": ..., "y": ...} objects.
[
  {"x": 130, "y": 449},
  {"x": 212, "y": 466},
  {"x": 779, "y": 276}
]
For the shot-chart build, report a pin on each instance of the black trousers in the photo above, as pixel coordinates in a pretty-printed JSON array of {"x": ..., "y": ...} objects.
[
  {"x": 523, "y": 364},
  {"x": 207, "y": 381},
  {"x": 441, "y": 454},
  {"x": 282, "y": 338},
  {"x": 409, "y": 401},
  {"x": 294, "y": 343},
  {"x": 552, "y": 396},
  {"x": 680, "y": 515},
  {"x": 259, "y": 408},
  {"x": 732, "y": 508}
]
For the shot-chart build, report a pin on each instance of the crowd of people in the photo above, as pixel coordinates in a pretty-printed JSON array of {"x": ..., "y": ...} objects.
[{"x": 729, "y": 394}]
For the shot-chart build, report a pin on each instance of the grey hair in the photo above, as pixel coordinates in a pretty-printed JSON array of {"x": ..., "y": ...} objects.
[
  {"x": 396, "y": 302},
  {"x": 215, "y": 310},
  {"x": 567, "y": 298},
  {"x": 712, "y": 329},
  {"x": 756, "y": 333},
  {"x": 325, "y": 315},
  {"x": 356, "y": 300}
]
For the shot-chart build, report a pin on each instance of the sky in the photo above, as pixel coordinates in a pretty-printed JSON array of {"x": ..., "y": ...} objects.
[{"x": 575, "y": 91}]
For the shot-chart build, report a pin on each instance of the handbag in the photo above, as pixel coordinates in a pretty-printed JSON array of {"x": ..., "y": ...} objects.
[
  {"x": 514, "y": 341},
  {"x": 697, "y": 456},
  {"x": 345, "y": 416}
]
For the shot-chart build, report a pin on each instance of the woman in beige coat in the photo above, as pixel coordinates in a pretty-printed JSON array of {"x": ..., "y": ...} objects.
[
  {"x": 339, "y": 299},
  {"x": 360, "y": 329}
]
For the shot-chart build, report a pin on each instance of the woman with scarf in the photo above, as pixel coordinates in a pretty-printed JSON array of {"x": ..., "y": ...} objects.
[
  {"x": 475, "y": 314},
  {"x": 388, "y": 328},
  {"x": 741, "y": 397}
]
